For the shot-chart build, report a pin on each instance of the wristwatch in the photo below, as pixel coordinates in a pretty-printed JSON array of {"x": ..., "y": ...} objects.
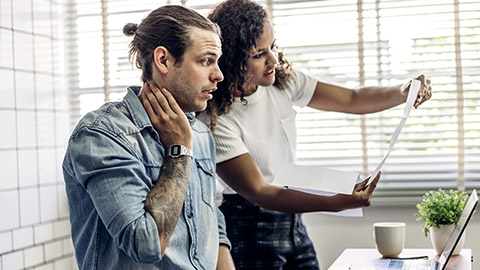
[{"x": 177, "y": 150}]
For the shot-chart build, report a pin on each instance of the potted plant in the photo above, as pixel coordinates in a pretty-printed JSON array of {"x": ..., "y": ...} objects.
[{"x": 440, "y": 210}]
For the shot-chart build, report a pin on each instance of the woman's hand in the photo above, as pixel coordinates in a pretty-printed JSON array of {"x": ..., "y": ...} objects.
[
  {"x": 425, "y": 92},
  {"x": 166, "y": 116},
  {"x": 362, "y": 193}
]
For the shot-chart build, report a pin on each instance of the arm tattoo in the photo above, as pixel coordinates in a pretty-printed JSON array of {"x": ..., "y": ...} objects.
[{"x": 165, "y": 200}]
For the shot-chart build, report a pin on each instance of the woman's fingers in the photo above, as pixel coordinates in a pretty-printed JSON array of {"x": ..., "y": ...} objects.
[
  {"x": 371, "y": 187},
  {"x": 425, "y": 92}
]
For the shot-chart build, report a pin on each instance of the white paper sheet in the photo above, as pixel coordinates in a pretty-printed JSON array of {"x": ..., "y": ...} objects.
[
  {"x": 311, "y": 179},
  {"x": 320, "y": 181},
  {"x": 354, "y": 212},
  {"x": 412, "y": 96}
]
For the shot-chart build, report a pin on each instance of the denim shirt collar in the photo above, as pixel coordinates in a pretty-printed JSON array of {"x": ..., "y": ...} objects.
[{"x": 140, "y": 116}]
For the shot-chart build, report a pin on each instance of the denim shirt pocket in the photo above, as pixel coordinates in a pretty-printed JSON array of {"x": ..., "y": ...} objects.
[{"x": 207, "y": 181}]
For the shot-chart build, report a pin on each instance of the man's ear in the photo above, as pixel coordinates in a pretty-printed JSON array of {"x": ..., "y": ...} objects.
[{"x": 160, "y": 55}]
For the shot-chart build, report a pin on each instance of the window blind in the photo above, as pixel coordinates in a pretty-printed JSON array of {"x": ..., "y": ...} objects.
[
  {"x": 346, "y": 42},
  {"x": 361, "y": 43}
]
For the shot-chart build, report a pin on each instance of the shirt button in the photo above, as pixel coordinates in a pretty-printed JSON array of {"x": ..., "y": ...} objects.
[{"x": 190, "y": 215}]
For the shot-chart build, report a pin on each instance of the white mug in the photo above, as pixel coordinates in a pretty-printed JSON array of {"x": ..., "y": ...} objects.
[{"x": 389, "y": 238}]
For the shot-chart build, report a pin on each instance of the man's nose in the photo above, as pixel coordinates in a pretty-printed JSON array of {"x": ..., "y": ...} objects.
[{"x": 217, "y": 75}]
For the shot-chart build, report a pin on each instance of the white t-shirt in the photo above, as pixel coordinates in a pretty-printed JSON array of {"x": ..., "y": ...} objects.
[{"x": 265, "y": 127}]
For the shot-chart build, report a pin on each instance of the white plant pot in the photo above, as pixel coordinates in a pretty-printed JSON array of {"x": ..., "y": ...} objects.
[{"x": 439, "y": 237}]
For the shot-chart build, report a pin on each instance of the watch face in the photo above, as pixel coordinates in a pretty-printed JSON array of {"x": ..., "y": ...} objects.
[{"x": 175, "y": 150}]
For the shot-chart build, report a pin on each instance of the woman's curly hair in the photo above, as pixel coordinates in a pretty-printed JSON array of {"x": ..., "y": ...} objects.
[{"x": 241, "y": 23}]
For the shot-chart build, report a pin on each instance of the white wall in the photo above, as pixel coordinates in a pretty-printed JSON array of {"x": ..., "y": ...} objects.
[
  {"x": 34, "y": 124},
  {"x": 332, "y": 234}
]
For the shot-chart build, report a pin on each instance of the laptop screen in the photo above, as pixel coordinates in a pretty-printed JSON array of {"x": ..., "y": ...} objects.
[{"x": 459, "y": 228}]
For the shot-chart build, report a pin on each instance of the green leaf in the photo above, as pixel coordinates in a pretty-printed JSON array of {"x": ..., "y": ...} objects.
[{"x": 440, "y": 208}]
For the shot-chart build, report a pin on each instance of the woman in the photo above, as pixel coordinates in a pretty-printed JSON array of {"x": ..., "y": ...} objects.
[{"x": 252, "y": 119}]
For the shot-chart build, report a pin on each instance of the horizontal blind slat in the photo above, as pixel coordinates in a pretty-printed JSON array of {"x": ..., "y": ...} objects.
[{"x": 426, "y": 152}]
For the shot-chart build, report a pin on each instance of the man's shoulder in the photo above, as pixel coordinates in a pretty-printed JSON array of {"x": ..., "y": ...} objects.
[
  {"x": 110, "y": 117},
  {"x": 115, "y": 114}
]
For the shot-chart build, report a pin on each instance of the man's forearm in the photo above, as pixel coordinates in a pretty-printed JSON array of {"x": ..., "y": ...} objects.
[{"x": 165, "y": 200}]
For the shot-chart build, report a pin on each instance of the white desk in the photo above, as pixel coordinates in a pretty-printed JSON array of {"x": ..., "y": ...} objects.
[{"x": 463, "y": 261}]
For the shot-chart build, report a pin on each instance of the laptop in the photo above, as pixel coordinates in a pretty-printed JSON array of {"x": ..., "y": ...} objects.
[{"x": 441, "y": 262}]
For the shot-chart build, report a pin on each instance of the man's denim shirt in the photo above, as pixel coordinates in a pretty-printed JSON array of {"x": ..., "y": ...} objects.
[{"x": 113, "y": 160}]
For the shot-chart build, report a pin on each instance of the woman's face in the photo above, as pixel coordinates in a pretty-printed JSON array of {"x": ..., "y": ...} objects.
[{"x": 262, "y": 61}]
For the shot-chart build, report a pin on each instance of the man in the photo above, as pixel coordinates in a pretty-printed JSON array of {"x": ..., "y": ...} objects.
[{"x": 140, "y": 179}]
